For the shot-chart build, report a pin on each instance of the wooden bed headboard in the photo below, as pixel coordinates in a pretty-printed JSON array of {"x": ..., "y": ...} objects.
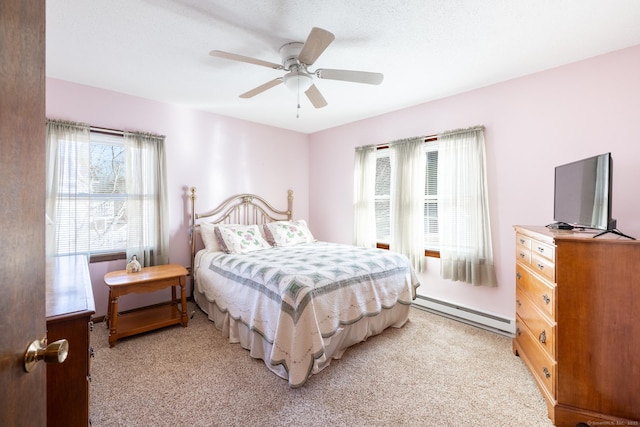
[{"x": 243, "y": 209}]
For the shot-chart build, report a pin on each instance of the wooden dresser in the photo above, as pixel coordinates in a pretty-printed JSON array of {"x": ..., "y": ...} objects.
[
  {"x": 578, "y": 323},
  {"x": 69, "y": 309}
]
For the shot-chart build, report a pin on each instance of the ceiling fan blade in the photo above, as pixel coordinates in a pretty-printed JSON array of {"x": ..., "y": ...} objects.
[
  {"x": 242, "y": 58},
  {"x": 316, "y": 43},
  {"x": 315, "y": 97},
  {"x": 350, "y": 76},
  {"x": 262, "y": 88}
]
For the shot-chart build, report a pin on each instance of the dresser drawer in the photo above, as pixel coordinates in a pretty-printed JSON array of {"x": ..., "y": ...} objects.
[
  {"x": 523, "y": 241},
  {"x": 539, "y": 325},
  {"x": 540, "y": 256},
  {"x": 539, "y": 291},
  {"x": 523, "y": 248},
  {"x": 543, "y": 250},
  {"x": 523, "y": 254},
  {"x": 543, "y": 266},
  {"x": 538, "y": 361}
]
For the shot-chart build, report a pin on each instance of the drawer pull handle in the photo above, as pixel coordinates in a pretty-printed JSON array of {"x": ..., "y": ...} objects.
[
  {"x": 91, "y": 326},
  {"x": 518, "y": 276},
  {"x": 522, "y": 241},
  {"x": 518, "y": 303},
  {"x": 540, "y": 249},
  {"x": 540, "y": 266},
  {"x": 521, "y": 254},
  {"x": 518, "y": 332},
  {"x": 546, "y": 299},
  {"x": 92, "y": 353},
  {"x": 546, "y": 372},
  {"x": 543, "y": 337}
]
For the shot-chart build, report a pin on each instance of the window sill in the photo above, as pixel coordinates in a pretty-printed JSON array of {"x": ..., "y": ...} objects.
[
  {"x": 107, "y": 257},
  {"x": 429, "y": 253}
]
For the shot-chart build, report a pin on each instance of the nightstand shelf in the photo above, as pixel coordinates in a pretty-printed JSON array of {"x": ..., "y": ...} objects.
[{"x": 148, "y": 318}]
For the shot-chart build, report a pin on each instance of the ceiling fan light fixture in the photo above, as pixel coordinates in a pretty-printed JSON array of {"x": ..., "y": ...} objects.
[
  {"x": 296, "y": 57},
  {"x": 297, "y": 81}
]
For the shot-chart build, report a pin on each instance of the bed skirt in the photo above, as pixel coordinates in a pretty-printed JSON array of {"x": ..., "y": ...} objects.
[{"x": 334, "y": 346}]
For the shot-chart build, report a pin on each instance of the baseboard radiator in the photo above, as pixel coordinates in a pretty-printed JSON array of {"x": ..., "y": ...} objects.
[{"x": 467, "y": 315}]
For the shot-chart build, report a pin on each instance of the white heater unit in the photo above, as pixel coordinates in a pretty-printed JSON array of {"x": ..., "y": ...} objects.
[{"x": 481, "y": 319}]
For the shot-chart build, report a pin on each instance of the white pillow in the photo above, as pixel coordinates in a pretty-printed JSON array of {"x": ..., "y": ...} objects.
[
  {"x": 240, "y": 239},
  {"x": 208, "y": 233},
  {"x": 288, "y": 233}
]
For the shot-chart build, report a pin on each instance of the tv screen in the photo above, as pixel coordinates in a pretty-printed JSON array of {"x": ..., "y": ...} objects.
[{"x": 582, "y": 195}]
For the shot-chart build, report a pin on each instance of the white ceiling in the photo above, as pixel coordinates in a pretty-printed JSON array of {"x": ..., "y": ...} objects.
[{"x": 426, "y": 49}]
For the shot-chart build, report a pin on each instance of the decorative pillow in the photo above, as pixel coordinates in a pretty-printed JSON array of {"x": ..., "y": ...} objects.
[
  {"x": 240, "y": 239},
  {"x": 208, "y": 233},
  {"x": 288, "y": 233}
]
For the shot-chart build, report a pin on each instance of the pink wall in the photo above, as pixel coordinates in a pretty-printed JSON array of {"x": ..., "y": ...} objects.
[
  {"x": 533, "y": 124},
  {"x": 220, "y": 156}
]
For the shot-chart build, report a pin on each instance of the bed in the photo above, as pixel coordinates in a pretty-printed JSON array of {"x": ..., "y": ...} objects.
[{"x": 290, "y": 300}]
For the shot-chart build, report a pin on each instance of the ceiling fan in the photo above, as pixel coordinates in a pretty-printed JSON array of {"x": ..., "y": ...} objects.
[{"x": 296, "y": 59}]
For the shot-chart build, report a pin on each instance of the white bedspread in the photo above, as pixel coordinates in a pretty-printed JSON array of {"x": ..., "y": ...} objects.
[{"x": 297, "y": 297}]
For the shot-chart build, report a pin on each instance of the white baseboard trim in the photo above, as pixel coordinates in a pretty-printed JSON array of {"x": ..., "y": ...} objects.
[{"x": 480, "y": 319}]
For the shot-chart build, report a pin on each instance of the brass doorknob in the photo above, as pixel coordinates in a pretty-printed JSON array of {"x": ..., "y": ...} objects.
[{"x": 56, "y": 352}]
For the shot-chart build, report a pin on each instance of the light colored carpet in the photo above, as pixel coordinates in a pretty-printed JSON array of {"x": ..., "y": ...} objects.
[{"x": 432, "y": 372}]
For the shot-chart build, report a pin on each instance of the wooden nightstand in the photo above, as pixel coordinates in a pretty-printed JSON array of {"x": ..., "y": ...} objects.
[{"x": 149, "y": 279}]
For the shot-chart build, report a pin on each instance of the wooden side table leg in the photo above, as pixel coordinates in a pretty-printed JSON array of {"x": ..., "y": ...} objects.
[
  {"x": 183, "y": 298},
  {"x": 107, "y": 320},
  {"x": 113, "y": 320}
]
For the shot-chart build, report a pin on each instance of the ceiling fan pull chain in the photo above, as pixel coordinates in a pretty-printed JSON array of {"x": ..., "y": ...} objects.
[{"x": 298, "y": 100}]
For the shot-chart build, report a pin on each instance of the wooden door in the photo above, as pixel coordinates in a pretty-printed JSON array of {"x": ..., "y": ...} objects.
[{"x": 22, "y": 201}]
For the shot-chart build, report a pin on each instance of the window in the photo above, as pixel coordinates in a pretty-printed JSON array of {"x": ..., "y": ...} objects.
[
  {"x": 91, "y": 212},
  {"x": 383, "y": 199},
  {"x": 447, "y": 218},
  {"x": 106, "y": 193},
  {"x": 431, "y": 229}
]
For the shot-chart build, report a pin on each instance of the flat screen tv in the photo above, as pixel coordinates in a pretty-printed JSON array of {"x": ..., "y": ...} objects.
[{"x": 582, "y": 196}]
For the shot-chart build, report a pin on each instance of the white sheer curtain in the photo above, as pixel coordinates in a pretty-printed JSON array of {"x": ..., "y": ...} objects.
[
  {"x": 69, "y": 190},
  {"x": 364, "y": 182},
  {"x": 466, "y": 252},
  {"x": 148, "y": 236},
  {"x": 67, "y": 175},
  {"x": 408, "y": 164}
]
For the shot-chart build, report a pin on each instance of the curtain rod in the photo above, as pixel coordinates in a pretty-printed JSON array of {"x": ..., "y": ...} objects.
[
  {"x": 428, "y": 138},
  {"x": 106, "y": 130},
  {"x": 456, "y": 131},
  {"x": 84, "y": 126}
]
